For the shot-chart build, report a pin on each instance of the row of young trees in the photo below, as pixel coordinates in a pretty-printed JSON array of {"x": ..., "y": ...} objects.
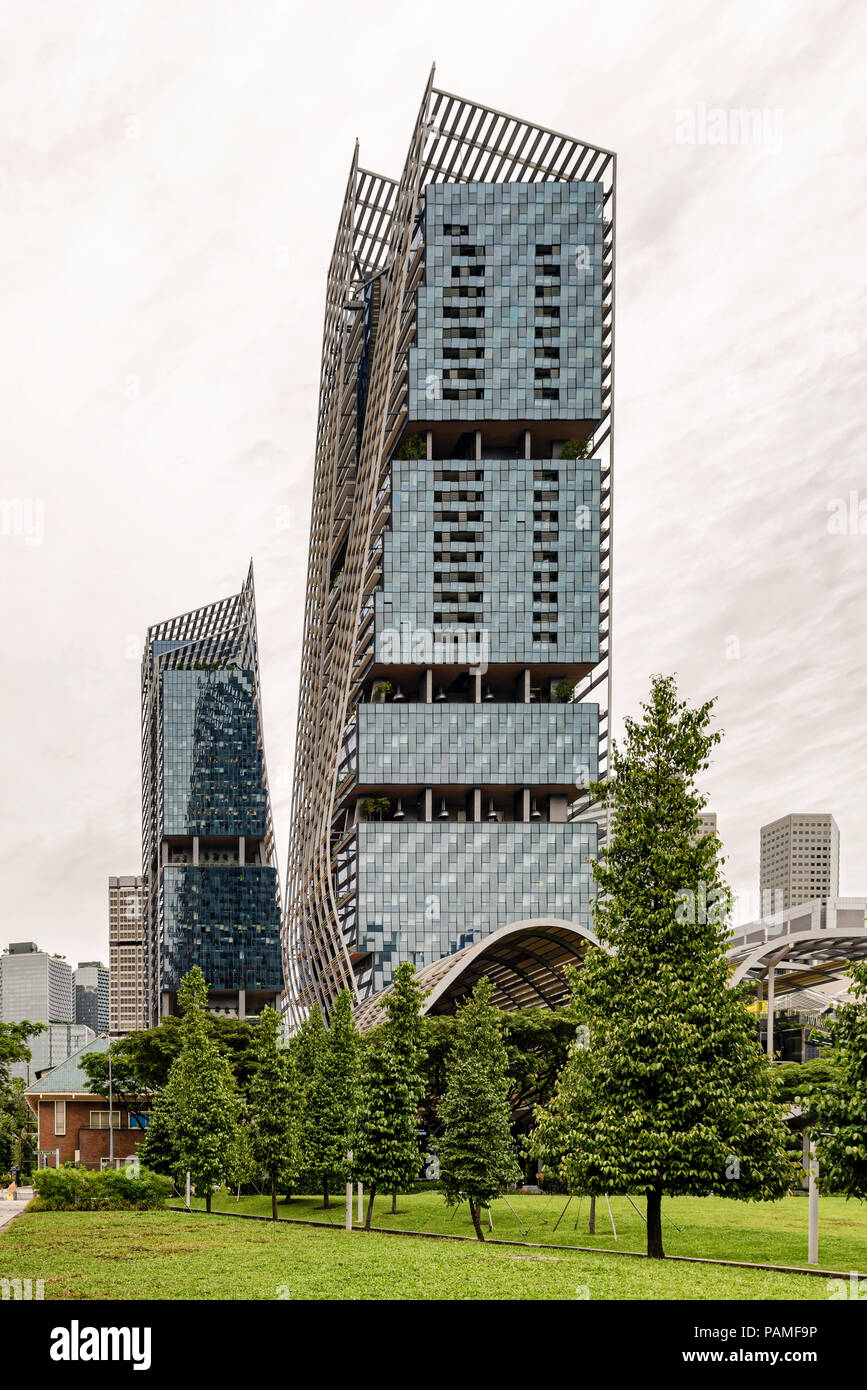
[{"x": 663, "y": 1091}]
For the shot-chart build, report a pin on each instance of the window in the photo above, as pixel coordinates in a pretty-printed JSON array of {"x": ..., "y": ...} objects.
[
  {"x": 59, "y": 1117},
  {"x": 99, "y": 1119}
]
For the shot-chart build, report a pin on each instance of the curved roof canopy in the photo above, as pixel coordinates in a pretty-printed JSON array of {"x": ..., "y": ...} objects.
[{"x": 524, "y": 962}]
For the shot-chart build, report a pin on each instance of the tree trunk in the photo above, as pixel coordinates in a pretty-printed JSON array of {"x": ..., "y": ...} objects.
[
  {"x": 370, "y": 1198},
  {"x": 591, "y": 1226},
  {"x": 394, "y": 1204},
  {"x": 325, "y": 1202},
  {"x": 654, "y": 1224},
  {"x": 208, "y": 1198},
  {"x": 475, "y": 1208},
  {"x": 273, "y": 1194}
]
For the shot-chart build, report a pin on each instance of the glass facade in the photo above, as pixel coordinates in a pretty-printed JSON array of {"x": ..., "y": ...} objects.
[
  {"x": 510, "y": 311},
  {"x": 212, "y": 763},
  {"x": 226, "y": 920},
  {"x": 477, "y": 745},
  {"x": 506, "y": 547},
  {"x": 426, "y": 891},
  {"x": 212, "y": 896}
]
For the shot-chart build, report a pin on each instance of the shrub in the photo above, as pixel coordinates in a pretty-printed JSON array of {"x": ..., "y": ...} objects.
[
  {"x": 413, "y": 447},
  {"x": 563, "y": 691},
  {"x": 575, "y": 449},
  {"x": 83, "y": 1189}
]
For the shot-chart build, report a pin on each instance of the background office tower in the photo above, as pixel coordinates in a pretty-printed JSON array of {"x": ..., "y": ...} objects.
[
  {"x": 708, "y": 823},
  {"x": 799, "y": 861},
  {"x": 212, "y": 895},
  {"x": 90, "y": 982},
  {"x": 126, "y": 955},
  {"x": 458, "y": 583},
  {"x": 37, "y": 987}
]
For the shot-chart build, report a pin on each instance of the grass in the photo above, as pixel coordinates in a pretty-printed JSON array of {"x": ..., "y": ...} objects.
[
  {"x": 164, "y": 1255},
  {"x": 714, "y": 1227}
]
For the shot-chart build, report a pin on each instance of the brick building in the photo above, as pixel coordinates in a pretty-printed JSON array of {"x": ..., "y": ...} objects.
[{"x": 74, "y": 1123}]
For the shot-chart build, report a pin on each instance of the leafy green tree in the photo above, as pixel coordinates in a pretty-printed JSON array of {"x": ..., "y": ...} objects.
[
  {"x": 159, "y": 1151},
  {"x": 199, "y": 1108},
  {"x": 243, "y": 1165},
  {"x": 477, "y": 1151},
  {"x": 17, "y": 1121},
  {"x": 275, "y": 1107},
  {"x": 665, "y": 1090},
  {"x": 141, "y": 1061},
  {"x": 385, "y": 1149},
  {"x": 331, "y": 1099},
  {"x": 841, "y": 1106}
]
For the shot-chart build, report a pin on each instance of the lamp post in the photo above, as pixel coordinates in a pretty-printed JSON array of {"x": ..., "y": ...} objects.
[{"x": 110, "y": 1114}]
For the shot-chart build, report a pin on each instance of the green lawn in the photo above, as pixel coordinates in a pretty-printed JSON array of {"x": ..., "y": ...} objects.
[
  {"x": 715, "y": 1227},
  {"x": 163, "y": 1255}
]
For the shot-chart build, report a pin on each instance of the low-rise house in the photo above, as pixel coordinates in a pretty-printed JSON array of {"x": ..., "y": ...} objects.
[{"x": 73, "y": 1123}]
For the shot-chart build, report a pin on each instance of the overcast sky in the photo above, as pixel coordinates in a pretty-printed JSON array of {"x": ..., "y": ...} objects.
[{"x": 171, "y": 176}]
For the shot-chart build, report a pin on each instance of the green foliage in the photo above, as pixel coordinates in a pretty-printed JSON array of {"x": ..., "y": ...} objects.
[
  {"x": 841, "y": 1105},
  {"x": 380, "y": 690},
  {"x": 665, "y": 1090},
  {"x": 385, "y": 1150},
  {"x": 13, "y": 1046},
  {"x": 413, "y": 447},
  {"x": 374, "y": 806},
  {"x": 576, "y": 449},
  {"x": 537, "y": 1044},
  {"x": 83, "y": 1189},
  {"x": 141, "y": 1061},
  {"x": 196, "y": 1113},
  {"x": 331, "y": 1098},
  {"x": 275, "y": 1112},
  {"x": 563, "y": 691},
  {"x": 800, "y": 1082},
  {"x": 477, "y": 1152},
  {"x": 242, "y": 1167}
]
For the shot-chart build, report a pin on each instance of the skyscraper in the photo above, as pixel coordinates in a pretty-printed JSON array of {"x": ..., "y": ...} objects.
[
  {"x": 208, "y": 861},
  {"x": 126, "y": 955},
  {"x": 458, "y": 599},
  {"x": 799, "y": 861},
  {"x": 37, "y": 987},
  {"x": 90, "y": 982}
]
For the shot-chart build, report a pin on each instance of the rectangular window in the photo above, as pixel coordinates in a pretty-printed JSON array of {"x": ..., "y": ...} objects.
[
  {"x": 60, "y": 1117},
  {"x": 99, "y": 1119}
]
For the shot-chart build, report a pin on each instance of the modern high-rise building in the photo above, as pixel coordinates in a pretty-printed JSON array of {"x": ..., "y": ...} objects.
[
  {"x": 208, "y": 856},
  {"x": 35, "y": 986},
  {"x": 799, "y": 861},
  {"x": 127, "y": 994},
  {"x": 708, "y": 823},
  {"x": 90, "y": 982},
  {"x": 457, "y": 623}
]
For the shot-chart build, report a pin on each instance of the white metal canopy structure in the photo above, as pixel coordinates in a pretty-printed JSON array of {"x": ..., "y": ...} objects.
[{"x": 375, "y": 271}]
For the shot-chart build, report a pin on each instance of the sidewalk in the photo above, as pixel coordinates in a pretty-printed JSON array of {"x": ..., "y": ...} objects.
[{"x": 9, "y": 1210}]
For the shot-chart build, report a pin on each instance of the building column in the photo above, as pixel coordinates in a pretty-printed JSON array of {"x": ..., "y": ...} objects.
[
  {"x": 241, "y": 849},
  {"x": 195, "y": 849},
  {"x": 242, "y": 1003}
]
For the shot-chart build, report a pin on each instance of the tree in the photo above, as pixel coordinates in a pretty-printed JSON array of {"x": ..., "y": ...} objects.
[
  {"x": 665, "y": 1089},
  {"x": 477, "y": 1151},
  {"x": 141, "y": 1061},
  {"x": 841, "y": 1105},
  {"x": 385, "y": 1149},
  {"x": 275, "y": 1107},
  {"x": 159, "y": 1151},
  {"x": 17, "y": 1122},
  {"x": 198, "y": 1110},
  {"x": 332, "y": 1099}
]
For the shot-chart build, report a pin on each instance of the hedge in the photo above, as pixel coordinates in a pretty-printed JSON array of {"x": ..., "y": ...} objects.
[{"x": 83, "y": 1189}]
